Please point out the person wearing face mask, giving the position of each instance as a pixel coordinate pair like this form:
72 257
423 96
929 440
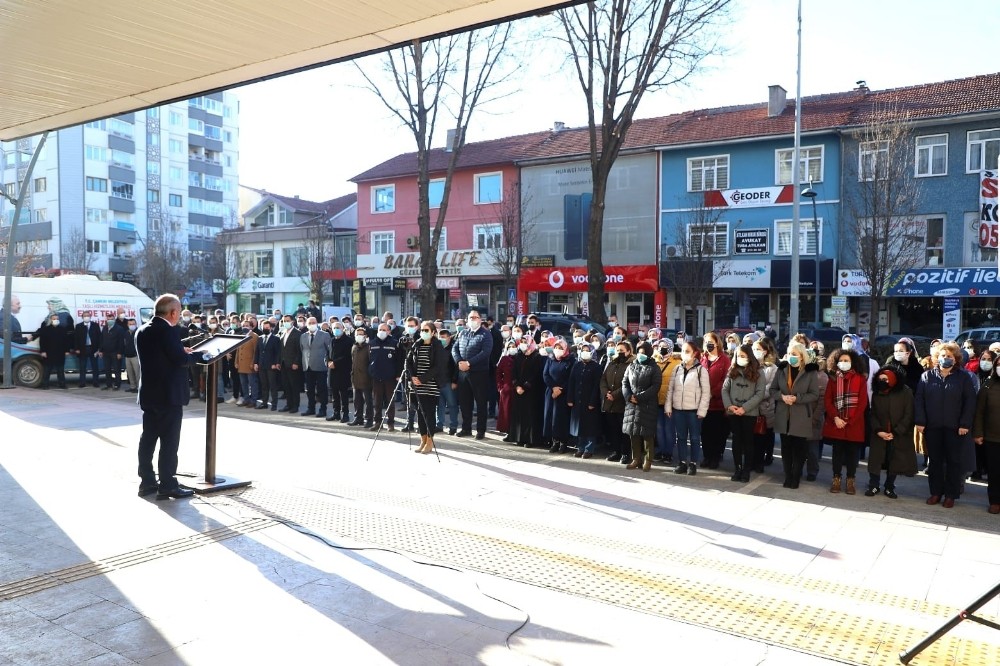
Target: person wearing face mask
795 392
504 376
244 360
448 400
583 398
54 345
131 357
111 353
666 439
361 381
906 362
983 372
410 334
86 344
383 369
291 364
316 346
986 433
868 366
944 409
892 426
527 400
763 442
814 445
426 368
555 374
846 402
715 428
472 352
613 405
640 388
686 404
267 365
742 393
971 357
339 373
732 344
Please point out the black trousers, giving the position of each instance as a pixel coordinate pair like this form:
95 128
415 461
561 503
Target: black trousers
742 427
290 383
617 441
113 369
472 387
992 454
364 406
793 457
340 401
269 381
426 406
382 394
845 454
59 366
86 358
946 472
316 390
163 424
714 431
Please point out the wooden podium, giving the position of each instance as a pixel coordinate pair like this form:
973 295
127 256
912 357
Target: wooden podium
213 350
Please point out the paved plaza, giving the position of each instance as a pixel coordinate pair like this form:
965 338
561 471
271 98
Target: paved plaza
342 552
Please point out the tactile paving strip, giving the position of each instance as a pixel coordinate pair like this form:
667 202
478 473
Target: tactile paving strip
839 621
45 581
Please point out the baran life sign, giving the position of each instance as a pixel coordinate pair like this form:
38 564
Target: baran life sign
988 209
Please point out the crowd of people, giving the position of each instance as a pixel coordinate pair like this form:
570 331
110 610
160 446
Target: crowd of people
639 397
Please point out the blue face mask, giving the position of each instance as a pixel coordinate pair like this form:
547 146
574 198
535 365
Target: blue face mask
444 343
337 332
642 358
793 361
612 353
946 361
410 330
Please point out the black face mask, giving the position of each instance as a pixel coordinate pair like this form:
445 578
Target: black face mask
710 346
267 329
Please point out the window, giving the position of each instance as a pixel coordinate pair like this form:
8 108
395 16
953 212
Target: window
176 175
263 263
285 216
41 215
873 160
932 155
229 136
153 139
96 153
97 247
296 262
195 179
213 132
435 192
41 185
809 237
489 188
97 184
384 199
176 147
229 160
153 196
121 190
443 241
213 183
711 239
98 125
383 242
123 159
933 240
983 149
175 200
121 128
176 119
97 215
10 159
153 167
10 189
487 237
196 126
153 112
708 173
810 165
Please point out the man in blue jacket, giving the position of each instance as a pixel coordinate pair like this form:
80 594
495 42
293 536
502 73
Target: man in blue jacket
384 368
163 392
472 355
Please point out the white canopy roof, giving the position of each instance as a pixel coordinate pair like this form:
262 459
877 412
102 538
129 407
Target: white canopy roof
66 62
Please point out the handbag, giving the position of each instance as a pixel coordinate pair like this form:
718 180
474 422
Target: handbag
760 425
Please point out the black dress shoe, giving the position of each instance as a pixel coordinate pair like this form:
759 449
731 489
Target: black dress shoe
321 415
481 435
355 423
332 417
274 408
408 428
284 409
307 413
451 431
463 433
145 489
614 457
175 493
554 448
261 406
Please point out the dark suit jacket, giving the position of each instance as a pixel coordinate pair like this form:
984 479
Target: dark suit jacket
270 353
163 364
80 337
291 349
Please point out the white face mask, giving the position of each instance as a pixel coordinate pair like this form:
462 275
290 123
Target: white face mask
312 328
86 320
742 361
360 338
986 366
517 335
505 334
844 366
847 345
558 353
901 356
686 356
733 346
586 355
523 346
382 335
213 326
474 324
759 354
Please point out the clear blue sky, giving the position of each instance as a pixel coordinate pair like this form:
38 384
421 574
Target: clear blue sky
307 133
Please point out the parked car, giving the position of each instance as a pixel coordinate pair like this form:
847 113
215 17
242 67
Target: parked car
826 335
922 342
979 335
559 323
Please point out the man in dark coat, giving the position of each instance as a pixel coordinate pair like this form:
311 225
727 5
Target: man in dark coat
86 344
291 364
339 375
472 352
163 392
54 344
268 366
15 326
112 352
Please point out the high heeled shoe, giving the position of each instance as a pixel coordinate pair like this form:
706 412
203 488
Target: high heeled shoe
423 443
428 446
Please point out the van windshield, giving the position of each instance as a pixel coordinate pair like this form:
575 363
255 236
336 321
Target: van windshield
145 314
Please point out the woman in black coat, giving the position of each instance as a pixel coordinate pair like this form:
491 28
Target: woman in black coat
584 400
528 396
426 365
640 388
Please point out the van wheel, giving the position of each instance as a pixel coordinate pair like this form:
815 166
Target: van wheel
28 372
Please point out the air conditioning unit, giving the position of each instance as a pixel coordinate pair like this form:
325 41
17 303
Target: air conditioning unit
672 251
412 241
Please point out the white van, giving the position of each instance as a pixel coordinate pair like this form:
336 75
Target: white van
981 336
331 310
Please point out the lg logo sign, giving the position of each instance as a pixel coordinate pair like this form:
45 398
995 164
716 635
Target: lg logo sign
556 279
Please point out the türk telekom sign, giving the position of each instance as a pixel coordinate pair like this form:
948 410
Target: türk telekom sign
749 197
574 278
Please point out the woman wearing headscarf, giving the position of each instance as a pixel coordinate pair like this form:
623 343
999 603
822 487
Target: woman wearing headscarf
665 359
555 373
892 432
814 445
583 397
985 363
505 370
763 443
944 410
715 429
846 403
906 362
527 400
795 391
640 388
613 405
742 393
986 434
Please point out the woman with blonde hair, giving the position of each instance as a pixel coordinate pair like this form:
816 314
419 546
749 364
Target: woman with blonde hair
795 391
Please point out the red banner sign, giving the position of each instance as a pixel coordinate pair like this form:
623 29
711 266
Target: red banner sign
574 278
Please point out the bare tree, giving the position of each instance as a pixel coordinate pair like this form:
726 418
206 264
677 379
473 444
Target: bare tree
455 75
318 258
74 254
510 228
622 49
228 269
882 200
694 264
161 264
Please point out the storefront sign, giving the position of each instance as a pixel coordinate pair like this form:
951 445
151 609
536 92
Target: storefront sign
256 286
442 283
750 197
988 209
781 274
538 261
574 278
377 282
751 241
743 273
852 282
951 318
399 284
407 264
945 282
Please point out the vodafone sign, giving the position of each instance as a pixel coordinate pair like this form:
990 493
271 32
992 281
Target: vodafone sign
574 278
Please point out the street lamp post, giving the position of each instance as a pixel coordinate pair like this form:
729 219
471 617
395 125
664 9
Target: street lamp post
810 193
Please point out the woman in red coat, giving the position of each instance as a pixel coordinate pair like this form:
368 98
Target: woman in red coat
505 369
846 402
